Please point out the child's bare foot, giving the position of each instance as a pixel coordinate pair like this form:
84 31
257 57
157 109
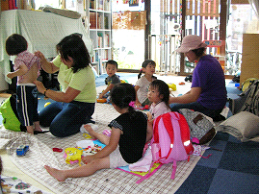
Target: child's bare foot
30 130
57 174
90 130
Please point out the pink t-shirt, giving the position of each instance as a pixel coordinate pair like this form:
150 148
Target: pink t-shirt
27 59
158 109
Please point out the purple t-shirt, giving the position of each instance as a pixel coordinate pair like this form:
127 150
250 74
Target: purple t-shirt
209 76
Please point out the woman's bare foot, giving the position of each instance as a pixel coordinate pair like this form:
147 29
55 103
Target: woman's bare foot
57 174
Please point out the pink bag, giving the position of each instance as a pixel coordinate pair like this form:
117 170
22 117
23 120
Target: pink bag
171 140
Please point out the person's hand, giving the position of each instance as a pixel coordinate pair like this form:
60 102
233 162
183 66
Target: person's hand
41 88
88 159
10 75
40 55
100 96
138 104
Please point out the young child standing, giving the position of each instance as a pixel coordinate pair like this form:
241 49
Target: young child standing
141 87
26 69
158 94
112 79
130 132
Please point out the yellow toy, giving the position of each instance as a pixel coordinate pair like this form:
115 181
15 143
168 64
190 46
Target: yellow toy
172 87
73 155
124 81
46 104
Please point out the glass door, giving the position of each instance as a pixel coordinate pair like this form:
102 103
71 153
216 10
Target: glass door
128 33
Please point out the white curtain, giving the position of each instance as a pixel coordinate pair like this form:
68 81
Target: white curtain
255 6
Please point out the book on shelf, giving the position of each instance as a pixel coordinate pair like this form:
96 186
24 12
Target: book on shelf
92 4
92 20
95 57
106 22
106 40
106 5
100 4
100 40
105 55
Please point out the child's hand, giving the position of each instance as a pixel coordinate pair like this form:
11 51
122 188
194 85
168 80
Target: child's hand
88 159
138 104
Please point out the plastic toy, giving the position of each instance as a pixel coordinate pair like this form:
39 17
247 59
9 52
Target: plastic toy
172 87
188 78
124 81
146 107
181 83
87 136
103 100
22 150
46 104
73 155
57 149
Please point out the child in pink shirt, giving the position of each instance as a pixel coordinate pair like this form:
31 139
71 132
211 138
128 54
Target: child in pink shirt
158 94
26 69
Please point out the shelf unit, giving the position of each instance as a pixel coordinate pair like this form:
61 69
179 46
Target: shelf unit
100 23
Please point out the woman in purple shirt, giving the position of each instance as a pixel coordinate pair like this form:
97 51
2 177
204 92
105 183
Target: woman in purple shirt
208 91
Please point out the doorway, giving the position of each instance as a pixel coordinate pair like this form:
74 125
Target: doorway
128 33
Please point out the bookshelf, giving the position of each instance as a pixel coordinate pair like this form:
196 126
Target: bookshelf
100 23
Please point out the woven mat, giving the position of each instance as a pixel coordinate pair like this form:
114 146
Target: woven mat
103 181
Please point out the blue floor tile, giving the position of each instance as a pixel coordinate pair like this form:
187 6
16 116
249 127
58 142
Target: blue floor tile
216 155
241 157
198 182
226 181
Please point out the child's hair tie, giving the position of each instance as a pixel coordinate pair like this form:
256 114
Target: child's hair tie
132 104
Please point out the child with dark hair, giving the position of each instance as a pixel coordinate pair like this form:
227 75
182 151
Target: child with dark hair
141 87
26 69
112 79
130 132
158 94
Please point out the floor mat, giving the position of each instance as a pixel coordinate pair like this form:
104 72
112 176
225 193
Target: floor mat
103 181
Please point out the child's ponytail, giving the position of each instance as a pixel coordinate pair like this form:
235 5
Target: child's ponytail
123 95
140 72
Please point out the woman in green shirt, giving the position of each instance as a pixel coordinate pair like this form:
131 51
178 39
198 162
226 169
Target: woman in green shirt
75 104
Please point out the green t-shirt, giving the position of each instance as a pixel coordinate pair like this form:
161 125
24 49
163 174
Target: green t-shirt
83 80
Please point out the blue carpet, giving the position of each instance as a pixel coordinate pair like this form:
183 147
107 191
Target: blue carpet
100 81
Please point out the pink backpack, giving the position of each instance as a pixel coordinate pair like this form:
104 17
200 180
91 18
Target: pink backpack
171 139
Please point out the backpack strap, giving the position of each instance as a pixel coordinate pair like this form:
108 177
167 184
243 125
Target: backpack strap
185 134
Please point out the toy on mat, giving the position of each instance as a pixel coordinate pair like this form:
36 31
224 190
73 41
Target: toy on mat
73 155
22 150
103 100
124 81
146 107
172 87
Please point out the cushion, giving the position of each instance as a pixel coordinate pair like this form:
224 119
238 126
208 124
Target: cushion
243 125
